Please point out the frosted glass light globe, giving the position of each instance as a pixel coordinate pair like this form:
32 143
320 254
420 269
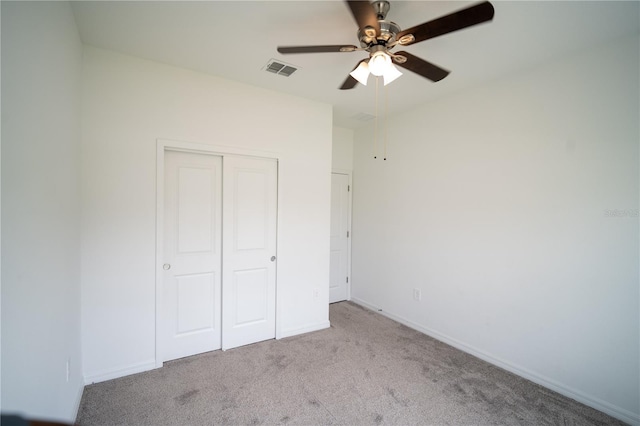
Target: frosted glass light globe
379 63
391 74
361 73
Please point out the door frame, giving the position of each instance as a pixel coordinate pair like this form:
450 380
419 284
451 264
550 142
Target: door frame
349 223
163 145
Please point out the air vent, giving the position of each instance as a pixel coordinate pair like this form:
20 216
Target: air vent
280 68
287 71
361 116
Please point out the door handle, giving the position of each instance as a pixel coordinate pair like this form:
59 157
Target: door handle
166 266
273 258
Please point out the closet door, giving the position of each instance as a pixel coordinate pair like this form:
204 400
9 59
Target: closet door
249 250
191 307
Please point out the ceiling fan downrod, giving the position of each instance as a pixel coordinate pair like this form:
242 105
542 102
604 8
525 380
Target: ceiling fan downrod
381 8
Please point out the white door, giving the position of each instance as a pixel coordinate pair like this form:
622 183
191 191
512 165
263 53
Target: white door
249 250
191 303
339 265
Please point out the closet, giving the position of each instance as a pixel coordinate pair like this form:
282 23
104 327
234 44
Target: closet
218 252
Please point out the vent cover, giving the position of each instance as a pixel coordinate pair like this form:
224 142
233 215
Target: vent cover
280 68
361 116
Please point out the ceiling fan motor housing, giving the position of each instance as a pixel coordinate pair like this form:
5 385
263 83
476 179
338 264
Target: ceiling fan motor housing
388 31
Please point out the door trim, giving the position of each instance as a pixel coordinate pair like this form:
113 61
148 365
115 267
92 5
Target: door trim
349 224
163 145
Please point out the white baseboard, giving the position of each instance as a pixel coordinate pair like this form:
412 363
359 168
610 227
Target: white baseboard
76 405
306 329
120 372
600 405
151 364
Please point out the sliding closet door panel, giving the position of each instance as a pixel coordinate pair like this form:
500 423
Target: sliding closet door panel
249 250
192 254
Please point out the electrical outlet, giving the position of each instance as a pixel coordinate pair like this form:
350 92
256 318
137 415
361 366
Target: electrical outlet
417 294
316 293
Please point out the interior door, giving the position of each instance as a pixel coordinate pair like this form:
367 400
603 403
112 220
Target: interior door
249 250
339 273
192 254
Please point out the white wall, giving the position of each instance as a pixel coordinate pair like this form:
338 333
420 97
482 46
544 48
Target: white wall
342 152
41 69
128 103
494 203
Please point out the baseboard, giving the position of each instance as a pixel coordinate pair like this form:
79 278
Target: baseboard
120 372
151 364
600 405
306 329
76 405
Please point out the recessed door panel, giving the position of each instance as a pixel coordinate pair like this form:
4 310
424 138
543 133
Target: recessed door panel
251 209
196 209
337 269
252 297
196 302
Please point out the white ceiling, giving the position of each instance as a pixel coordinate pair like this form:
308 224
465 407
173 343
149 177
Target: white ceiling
236 39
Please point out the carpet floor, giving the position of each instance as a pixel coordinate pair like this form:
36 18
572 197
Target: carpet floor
364 370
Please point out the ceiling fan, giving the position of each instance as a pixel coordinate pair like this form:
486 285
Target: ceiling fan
379 36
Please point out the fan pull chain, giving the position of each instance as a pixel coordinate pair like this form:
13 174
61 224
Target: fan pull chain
386 120
375 134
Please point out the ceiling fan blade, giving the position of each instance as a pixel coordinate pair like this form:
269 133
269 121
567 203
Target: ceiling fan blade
317 49
421 67
351 82
464 18
364 14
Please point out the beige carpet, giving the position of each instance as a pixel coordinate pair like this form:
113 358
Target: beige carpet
365 370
